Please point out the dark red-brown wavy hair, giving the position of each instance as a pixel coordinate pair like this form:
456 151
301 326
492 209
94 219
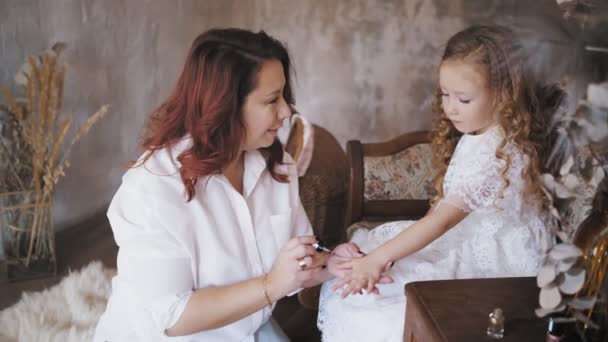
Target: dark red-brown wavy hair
219 73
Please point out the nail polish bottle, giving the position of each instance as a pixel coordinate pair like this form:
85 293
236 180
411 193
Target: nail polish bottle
319 246
496 324
555 330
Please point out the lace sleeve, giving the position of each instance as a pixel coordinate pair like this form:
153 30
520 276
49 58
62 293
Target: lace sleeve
474 183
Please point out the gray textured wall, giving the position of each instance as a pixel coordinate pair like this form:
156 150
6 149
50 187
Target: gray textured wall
365 69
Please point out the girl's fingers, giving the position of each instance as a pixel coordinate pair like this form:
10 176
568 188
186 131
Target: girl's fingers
352 288
346 292
371 284
341 283
357 289
385 279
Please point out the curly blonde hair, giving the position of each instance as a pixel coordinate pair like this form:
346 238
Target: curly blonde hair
525 106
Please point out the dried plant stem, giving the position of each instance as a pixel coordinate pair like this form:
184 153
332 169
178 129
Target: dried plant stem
11 167
92 120
597 270
44 130
48 177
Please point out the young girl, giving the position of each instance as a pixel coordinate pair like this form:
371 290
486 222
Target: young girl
488 219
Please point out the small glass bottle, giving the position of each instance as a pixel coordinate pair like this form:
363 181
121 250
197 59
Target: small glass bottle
496 324
554 331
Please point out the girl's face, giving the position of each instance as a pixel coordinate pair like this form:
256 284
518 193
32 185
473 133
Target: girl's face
265 108
465 98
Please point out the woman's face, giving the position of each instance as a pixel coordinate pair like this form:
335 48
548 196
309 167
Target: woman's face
265 108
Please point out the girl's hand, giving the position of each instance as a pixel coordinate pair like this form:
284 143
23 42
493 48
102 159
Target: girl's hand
365 273
339 264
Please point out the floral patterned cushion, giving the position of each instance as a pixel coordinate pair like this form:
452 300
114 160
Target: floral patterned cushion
404 175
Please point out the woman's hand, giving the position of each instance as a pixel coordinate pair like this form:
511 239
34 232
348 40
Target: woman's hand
337 264
298 265
348 250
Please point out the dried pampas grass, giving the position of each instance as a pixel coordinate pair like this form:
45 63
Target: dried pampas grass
41 132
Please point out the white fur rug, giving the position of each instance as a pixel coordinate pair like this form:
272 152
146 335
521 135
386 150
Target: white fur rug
67 311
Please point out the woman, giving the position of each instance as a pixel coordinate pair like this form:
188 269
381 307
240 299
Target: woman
209 223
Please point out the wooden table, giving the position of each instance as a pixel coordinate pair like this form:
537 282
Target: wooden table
457 310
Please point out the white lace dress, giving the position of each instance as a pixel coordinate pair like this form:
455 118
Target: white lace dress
500 237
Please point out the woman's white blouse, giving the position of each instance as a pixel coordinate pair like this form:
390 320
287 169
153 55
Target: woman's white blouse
169 247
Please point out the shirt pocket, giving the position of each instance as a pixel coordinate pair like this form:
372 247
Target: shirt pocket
282 227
